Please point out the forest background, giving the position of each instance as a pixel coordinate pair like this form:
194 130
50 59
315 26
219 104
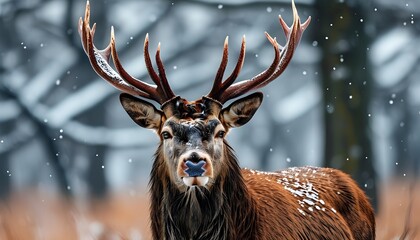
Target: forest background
350 99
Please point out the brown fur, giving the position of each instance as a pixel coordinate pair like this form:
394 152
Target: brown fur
310 203
297 203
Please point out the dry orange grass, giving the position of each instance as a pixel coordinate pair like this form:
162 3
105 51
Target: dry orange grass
36 215
399 211
50 217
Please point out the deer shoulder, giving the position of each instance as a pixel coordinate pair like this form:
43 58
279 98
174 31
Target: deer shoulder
315 197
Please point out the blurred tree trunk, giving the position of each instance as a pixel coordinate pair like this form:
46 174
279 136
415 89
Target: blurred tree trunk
95 175
346 81
5 185
405 164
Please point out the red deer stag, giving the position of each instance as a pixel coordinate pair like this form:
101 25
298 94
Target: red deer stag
198 190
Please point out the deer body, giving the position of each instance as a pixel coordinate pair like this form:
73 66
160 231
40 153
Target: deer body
296 203
198 190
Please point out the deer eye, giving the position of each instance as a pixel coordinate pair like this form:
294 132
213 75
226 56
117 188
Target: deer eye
221 134
166 135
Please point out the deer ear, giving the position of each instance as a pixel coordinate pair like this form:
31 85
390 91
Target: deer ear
241 111
142 112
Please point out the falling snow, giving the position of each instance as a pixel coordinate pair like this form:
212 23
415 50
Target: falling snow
393 58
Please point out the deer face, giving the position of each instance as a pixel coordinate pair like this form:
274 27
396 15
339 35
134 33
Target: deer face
193 149
192 138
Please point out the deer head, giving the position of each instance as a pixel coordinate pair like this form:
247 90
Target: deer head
192 133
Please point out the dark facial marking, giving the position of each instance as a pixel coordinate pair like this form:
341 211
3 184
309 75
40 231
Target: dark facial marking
194 131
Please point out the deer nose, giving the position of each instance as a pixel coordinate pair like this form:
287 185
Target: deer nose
195 169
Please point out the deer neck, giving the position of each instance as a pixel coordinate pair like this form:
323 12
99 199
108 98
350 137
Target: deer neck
224 211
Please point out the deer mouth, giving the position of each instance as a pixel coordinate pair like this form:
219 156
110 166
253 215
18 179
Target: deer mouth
195 181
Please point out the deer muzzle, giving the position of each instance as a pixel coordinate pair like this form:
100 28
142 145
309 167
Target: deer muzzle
195 168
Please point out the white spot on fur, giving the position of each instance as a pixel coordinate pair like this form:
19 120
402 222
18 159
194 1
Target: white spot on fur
296 181
301 211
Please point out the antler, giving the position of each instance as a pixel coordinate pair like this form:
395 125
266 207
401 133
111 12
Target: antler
222 91
100 61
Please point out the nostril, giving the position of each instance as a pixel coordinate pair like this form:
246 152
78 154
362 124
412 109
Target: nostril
195 158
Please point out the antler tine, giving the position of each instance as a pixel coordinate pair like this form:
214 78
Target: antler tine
162 75
219 85
244 86
164 91
220 72
238 67
293 34
148 62
99 59
279 64
147 88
